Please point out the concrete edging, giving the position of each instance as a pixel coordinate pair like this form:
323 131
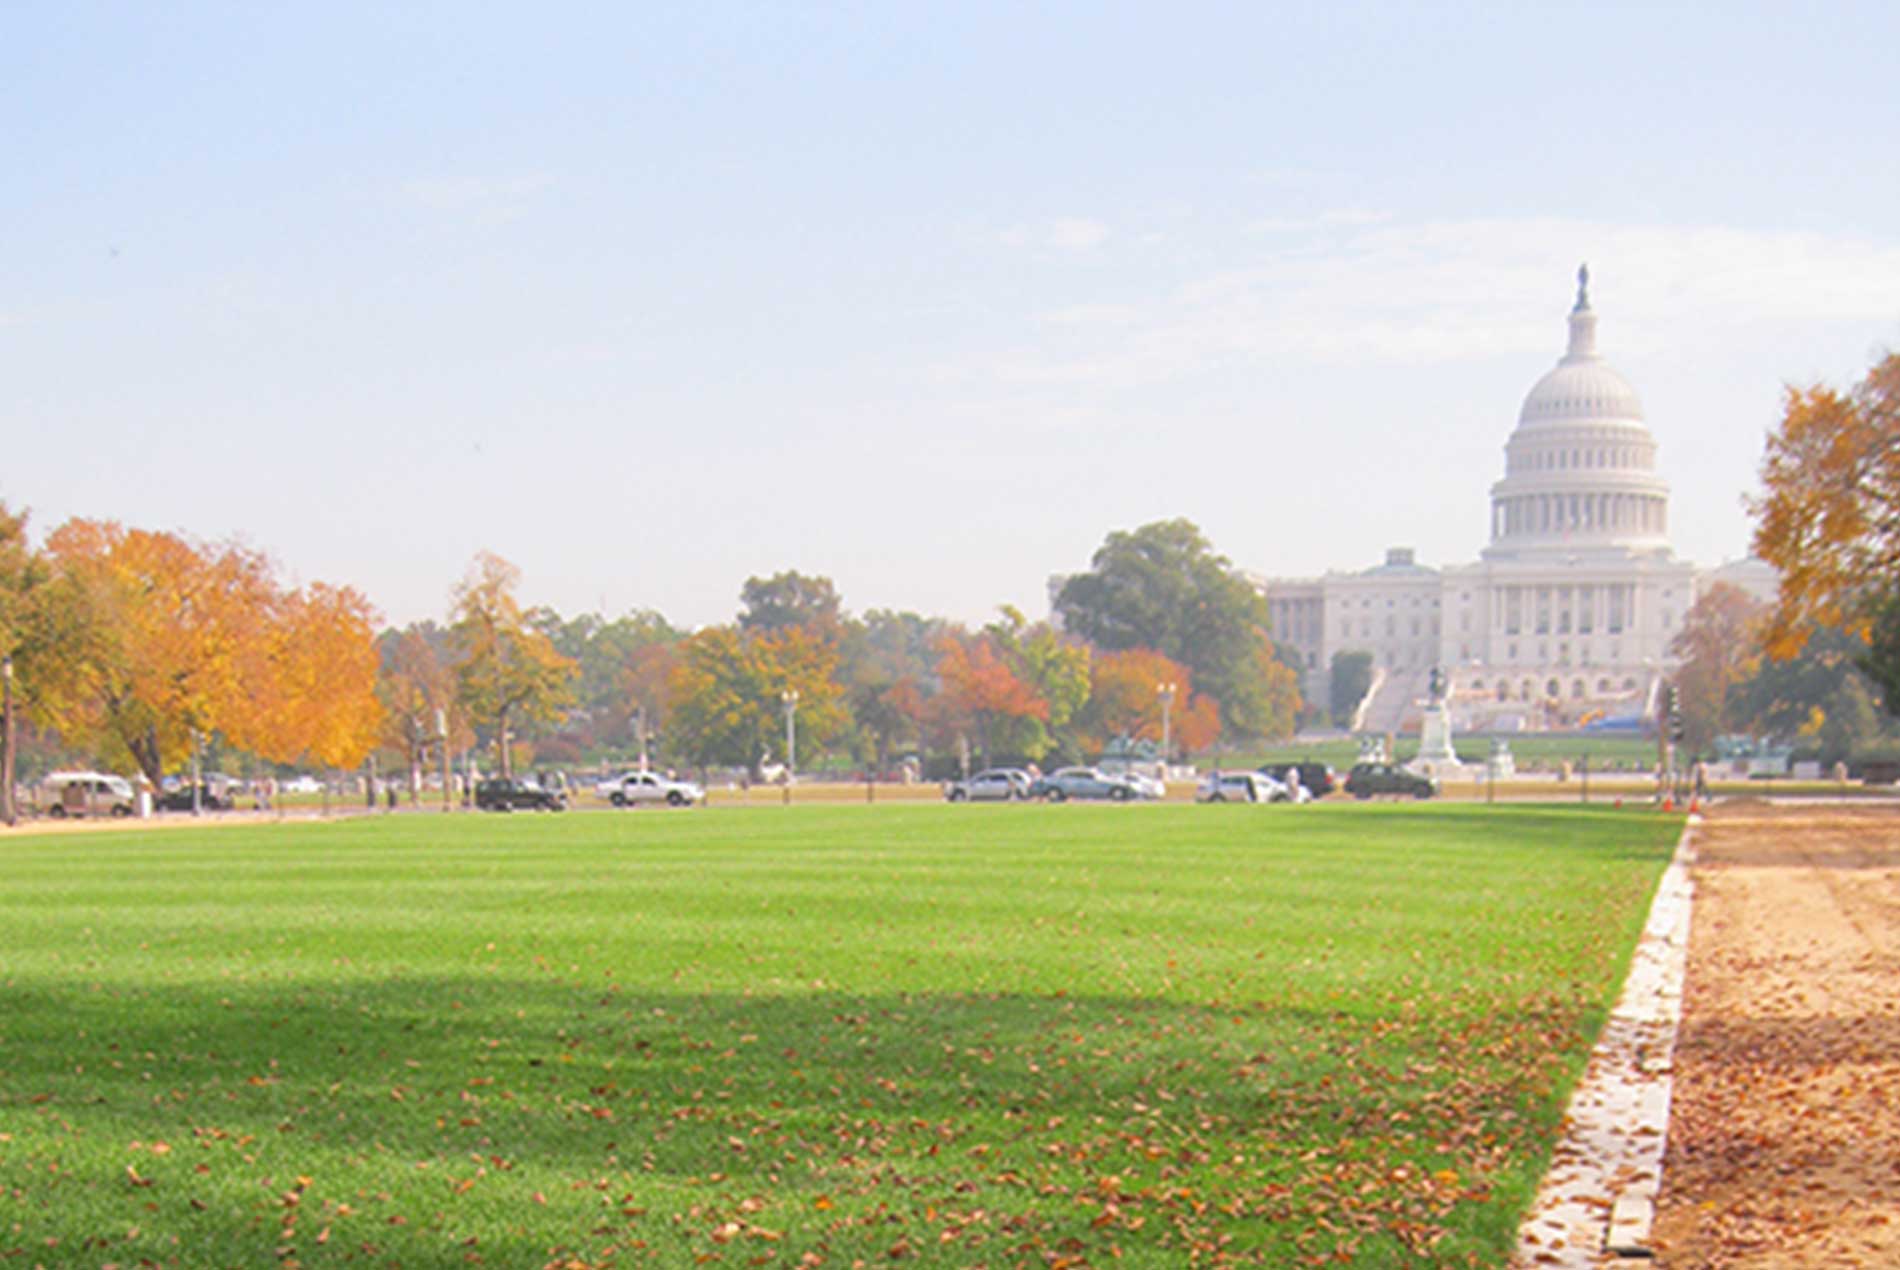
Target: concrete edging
1598 1199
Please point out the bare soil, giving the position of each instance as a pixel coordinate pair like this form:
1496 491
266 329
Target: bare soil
1784 1136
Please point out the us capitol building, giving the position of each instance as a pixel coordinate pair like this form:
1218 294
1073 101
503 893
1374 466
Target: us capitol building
1569 612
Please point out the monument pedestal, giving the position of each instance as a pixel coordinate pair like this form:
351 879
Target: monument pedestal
1436 758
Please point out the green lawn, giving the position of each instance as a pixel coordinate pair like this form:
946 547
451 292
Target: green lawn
1000 1036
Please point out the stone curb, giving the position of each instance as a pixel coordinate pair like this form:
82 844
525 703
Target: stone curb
1598 1198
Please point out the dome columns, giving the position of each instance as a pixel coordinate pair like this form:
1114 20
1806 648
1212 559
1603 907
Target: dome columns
1580 469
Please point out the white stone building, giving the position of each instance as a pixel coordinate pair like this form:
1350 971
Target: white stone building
1568 613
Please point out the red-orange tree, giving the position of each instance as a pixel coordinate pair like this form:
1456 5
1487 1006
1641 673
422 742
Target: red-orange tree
982 697
1125 700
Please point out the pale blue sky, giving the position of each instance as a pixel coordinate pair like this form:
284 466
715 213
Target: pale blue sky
927 299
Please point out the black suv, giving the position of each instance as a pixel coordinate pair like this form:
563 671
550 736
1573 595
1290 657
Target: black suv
504 794
1319 779
1367 779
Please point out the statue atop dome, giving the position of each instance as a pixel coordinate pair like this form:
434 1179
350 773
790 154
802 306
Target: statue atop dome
1583 286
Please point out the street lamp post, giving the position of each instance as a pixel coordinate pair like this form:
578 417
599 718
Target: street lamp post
6 762
442 739
790 698
1167 691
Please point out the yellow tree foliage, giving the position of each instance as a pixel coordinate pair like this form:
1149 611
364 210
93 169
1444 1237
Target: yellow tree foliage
324 672
1125 700
1280 701
152 638
510 674
155 634
1828 517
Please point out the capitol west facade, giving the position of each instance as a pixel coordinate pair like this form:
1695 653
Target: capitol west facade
1571 608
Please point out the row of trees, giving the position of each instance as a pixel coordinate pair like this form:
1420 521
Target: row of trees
134 648
1160 635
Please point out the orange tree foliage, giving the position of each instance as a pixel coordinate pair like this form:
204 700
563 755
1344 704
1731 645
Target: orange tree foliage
510 674
982 696
1125 700
1279 701
150 638
322 669
1828 518
1720 647
727 690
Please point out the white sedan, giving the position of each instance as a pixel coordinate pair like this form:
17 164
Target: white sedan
633 788
1246 787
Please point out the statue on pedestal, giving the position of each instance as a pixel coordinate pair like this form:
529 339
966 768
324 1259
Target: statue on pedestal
1436 758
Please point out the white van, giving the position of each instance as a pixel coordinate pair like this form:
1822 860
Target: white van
89 794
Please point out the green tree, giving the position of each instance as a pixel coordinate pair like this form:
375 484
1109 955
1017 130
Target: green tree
1056 669
791 599
508 674
1162 586
887 661
1350 682
1818 698
623 666
728 687
22 574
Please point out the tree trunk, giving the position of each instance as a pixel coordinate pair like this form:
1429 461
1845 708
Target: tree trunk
144 752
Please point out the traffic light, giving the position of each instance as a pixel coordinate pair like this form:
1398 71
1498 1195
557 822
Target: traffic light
1674 703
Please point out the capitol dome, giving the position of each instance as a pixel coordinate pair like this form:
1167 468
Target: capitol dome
1580 469
1584 388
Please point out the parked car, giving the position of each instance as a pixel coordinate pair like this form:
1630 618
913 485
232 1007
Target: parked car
1243 787
1318 779
630 789
1083 782
1367 779
89 794
209 799
503 793
996 784
1145 785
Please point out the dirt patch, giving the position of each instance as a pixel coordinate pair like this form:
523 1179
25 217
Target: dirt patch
1784 1136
